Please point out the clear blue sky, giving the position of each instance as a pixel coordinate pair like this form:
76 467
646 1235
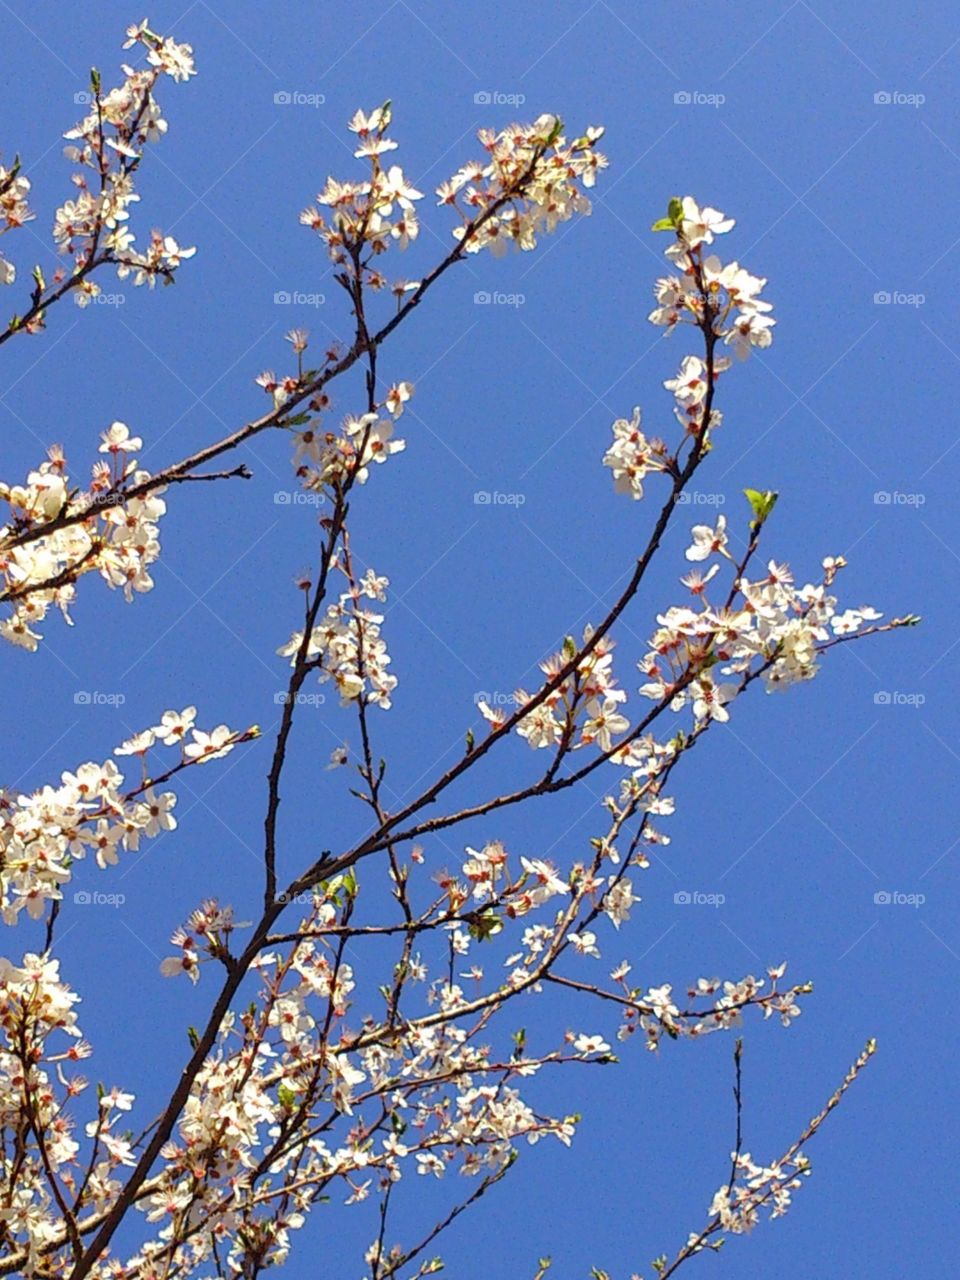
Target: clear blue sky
805 807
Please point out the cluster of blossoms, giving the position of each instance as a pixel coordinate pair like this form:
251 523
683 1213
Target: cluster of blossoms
54 534
738 1207
327 461
655 1013
724 303
581 711
769 627
531 180
290 1101
724 298
423 1092
93 226
42 835
36 1006
632 456
347 647
110 141
368 214
14 210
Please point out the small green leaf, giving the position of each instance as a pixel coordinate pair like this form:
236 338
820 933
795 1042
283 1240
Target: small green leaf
554 133
761 503
663 224
484 925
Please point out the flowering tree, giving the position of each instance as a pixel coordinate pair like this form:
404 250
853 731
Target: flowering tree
314 1076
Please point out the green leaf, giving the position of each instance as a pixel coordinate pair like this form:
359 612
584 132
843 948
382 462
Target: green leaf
674 216
761 503
554 133
484 925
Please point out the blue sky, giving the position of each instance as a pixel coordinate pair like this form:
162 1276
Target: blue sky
801 811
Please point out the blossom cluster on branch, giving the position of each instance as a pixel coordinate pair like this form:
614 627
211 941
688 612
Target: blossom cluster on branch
107 146
370 1020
